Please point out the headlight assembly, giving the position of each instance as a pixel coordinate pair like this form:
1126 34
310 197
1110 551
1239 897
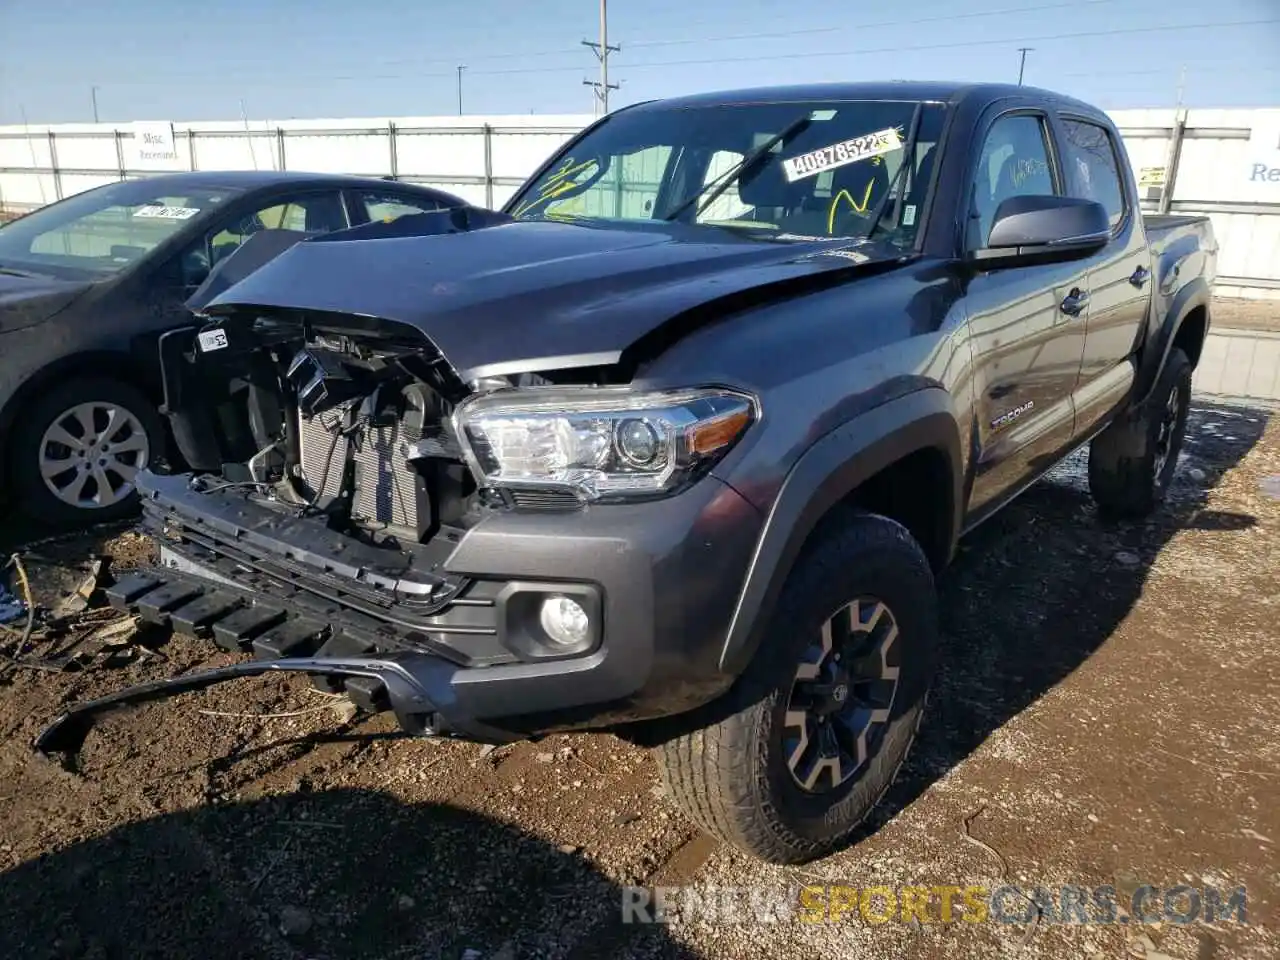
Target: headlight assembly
599 444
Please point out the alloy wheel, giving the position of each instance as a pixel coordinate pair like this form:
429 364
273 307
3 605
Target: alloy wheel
90 455
842 697
1166 431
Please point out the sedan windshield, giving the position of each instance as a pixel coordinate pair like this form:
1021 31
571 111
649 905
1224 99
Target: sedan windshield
827 169
100 232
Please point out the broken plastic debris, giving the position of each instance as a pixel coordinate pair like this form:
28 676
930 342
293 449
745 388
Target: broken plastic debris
1271 486
78 600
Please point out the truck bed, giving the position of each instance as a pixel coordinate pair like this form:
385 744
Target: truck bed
1182 248
1164 228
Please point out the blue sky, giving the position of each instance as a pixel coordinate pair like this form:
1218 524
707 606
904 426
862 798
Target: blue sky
161 59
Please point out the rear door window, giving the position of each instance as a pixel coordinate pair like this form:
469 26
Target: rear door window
313 213
1093 172
307 213
386 207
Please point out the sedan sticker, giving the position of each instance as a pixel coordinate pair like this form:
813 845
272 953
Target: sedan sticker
839 154
152 212
211 340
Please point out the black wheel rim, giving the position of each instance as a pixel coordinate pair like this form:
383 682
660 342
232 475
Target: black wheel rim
842 696
1167 432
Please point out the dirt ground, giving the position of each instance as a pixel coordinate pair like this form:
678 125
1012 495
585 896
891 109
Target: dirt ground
1108 712
1246 314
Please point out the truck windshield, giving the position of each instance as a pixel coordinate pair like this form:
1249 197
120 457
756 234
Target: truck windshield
832 165
98 233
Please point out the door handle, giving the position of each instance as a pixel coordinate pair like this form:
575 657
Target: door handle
1140 276
1073 303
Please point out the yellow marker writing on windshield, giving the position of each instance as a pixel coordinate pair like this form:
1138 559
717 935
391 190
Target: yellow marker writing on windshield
556 184
846 195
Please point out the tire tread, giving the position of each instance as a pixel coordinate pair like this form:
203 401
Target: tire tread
1121 458
712 773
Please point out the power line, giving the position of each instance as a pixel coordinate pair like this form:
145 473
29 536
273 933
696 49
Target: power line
953 44
770 35
755 58
808 31
1166 70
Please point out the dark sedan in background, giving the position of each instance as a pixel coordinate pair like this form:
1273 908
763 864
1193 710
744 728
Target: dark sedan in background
88 285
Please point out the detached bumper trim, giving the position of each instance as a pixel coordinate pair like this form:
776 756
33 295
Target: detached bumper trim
415 685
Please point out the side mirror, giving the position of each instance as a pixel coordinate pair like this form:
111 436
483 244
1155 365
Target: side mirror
1030 229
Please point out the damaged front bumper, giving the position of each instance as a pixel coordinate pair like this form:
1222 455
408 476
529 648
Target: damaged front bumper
417 686
443 637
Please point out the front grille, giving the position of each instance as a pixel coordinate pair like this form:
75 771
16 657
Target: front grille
545 499
386 487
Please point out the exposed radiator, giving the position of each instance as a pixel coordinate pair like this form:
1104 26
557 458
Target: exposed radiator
387 489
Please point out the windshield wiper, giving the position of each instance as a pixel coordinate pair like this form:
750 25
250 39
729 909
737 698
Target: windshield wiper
908 151
731 176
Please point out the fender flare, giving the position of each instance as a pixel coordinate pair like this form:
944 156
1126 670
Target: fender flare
1194 294
826 473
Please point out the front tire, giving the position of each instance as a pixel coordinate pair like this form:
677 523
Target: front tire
826 712
78 448
1132 462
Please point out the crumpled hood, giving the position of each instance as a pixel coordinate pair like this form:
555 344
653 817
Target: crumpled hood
25 300
532 295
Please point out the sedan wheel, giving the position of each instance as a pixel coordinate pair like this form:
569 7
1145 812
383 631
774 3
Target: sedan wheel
91 454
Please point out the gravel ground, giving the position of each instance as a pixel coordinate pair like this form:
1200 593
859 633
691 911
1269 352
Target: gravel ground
1239 314
1107 713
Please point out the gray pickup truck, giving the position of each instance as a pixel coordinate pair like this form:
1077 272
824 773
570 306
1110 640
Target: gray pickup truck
676 446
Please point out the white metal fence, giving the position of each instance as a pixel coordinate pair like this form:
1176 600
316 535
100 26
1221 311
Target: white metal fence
1223 163
482 159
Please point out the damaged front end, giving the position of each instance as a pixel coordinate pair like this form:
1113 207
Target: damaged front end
327 493
338 462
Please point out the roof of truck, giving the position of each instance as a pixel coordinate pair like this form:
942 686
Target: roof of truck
942 91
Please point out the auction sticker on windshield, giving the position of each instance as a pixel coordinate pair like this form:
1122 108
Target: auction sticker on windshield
153 212
838 154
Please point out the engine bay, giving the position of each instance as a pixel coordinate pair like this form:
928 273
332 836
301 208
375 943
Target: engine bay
337 420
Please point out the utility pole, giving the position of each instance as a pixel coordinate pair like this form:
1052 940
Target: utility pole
1182 84
602 51
461 67
1022 66
93 92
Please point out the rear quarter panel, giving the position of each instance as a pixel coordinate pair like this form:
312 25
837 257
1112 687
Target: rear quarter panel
1184 254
